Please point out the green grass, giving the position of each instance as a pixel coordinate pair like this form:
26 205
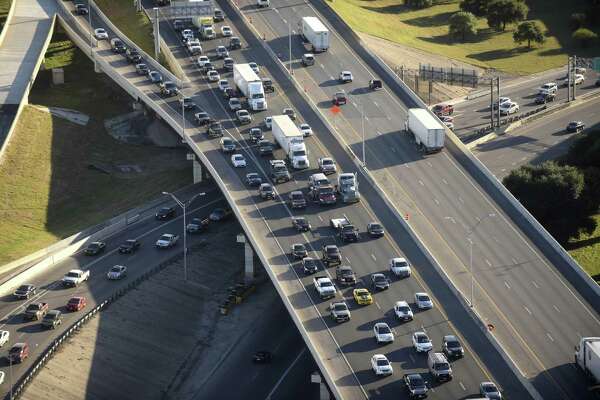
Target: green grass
427 30
47 191
4 7
586 250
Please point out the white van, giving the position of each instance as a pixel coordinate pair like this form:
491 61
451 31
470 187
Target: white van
263 3
439 367
317 180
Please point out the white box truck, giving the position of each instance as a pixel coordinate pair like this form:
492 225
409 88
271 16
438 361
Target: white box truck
587 357
291 140
250 85
429 132
315 33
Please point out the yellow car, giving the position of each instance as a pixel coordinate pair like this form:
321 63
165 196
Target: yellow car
362 296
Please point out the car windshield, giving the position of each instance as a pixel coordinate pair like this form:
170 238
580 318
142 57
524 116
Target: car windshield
453 345
340 307
382 363
400 264
73 274
164 210
115 269
74 301
417 381
309 262
297 196
422 298
327 162
326 284
23 288
403 309
165 237
422 339
93 246
384 329
379 278
332 250
362 293
298 247
489 388
441 366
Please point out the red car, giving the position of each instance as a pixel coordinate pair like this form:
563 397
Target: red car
76 303
443 109
339 98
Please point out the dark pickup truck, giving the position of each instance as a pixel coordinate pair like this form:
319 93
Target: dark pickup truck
331 255
345 275
346 231
36 311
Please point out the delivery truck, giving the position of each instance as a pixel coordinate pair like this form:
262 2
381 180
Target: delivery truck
429 132
250 85
587 357
315 33
291 140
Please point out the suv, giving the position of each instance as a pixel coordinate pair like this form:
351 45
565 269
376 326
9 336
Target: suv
345 275
266 191
339 98
81 9
201 118
279 171
452 347
548 88
331 255
52 319
117 45
130 246
297 199
439 367
265 147
308 59
543 98
165 213
219 16
443 109
227 145
215 129
235 43
375 84
133 56
169 89
339 311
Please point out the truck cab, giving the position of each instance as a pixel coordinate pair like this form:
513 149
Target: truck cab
347 187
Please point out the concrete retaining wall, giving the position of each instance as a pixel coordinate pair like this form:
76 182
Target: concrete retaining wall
11 12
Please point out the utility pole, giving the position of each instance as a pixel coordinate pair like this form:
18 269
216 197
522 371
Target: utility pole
290 45
156 33
492 102
574 74
498 94
91 32
363 133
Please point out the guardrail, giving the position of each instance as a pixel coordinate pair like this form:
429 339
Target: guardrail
9 16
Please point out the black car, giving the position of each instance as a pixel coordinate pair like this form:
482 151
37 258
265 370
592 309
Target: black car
253 179
543 98
202 118
219 214
142 69
575 126
416 385
268 85
95 248
290 113
452 347
155 77
375 229
133 56
345 275
187 103
165 213
219 16
169 89
256 135
375 84
81 9
598 82
348 233
262 357
301 224
197 225
118 46
230 93
331 255
235 43
265 148
25 291
228 64
309 265
129 246
380 282
299 250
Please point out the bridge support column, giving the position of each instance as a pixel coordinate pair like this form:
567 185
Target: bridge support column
316 377
197 169
248 259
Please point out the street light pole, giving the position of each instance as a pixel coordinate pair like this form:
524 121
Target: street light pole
290 45
362 113
91 30
184 206
182 118
469 234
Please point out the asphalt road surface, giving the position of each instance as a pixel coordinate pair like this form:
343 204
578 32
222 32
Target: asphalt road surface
541 140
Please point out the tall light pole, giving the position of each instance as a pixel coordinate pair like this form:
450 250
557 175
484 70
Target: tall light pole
91 30
182 118
11 377
469 234
362 117
184 206
290 45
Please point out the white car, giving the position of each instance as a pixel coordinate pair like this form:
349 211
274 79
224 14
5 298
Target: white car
383 333
346 76
226 31
548 88
421 342
223 84
187 34
167 240
4 336
327 165
577 79
254 67
501 101
2 376
268 122
213 76
306 129
399 267
508 108
381 365
203 60
100 34
222 52
403 311
238 161
490 391
423 301
450 125
117 272
235 104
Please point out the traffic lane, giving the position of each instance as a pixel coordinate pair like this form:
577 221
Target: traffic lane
538 141
96 289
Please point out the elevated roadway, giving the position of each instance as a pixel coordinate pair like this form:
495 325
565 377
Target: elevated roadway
520 286
342 351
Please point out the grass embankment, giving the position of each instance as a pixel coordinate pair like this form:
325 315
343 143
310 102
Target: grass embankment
47 191
586 251
4 7
427 30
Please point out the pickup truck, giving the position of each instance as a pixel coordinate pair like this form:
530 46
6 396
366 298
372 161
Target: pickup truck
36 311
74 277
279 171
324 287
346 231
345 275
331 255
167 240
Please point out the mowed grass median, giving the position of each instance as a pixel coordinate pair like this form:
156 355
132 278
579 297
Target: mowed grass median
47 190
586 251
427 29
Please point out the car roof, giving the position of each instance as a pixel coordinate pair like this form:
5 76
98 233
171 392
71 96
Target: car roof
401 303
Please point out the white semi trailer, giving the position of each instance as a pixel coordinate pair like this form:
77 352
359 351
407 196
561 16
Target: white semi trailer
291 140
250 85
429 132
315 33
587 357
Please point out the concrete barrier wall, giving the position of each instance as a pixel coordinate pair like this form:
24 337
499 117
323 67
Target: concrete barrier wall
11 12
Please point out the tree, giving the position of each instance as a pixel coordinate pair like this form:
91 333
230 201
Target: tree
476 7
553 195
463 24
577 21
502 12
585 151
528 31
584 36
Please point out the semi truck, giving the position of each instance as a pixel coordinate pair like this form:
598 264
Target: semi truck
347 187
250 85
291 140
429 132
315 33
587 357
205 27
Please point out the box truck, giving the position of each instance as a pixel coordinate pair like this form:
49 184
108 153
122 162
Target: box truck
291 140
250 85
315 33
587 357
429 132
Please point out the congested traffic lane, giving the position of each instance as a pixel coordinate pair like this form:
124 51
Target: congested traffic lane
97 288
445 206
364 254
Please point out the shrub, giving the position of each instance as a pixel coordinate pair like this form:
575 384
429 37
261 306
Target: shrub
584 36
529 31
463 24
